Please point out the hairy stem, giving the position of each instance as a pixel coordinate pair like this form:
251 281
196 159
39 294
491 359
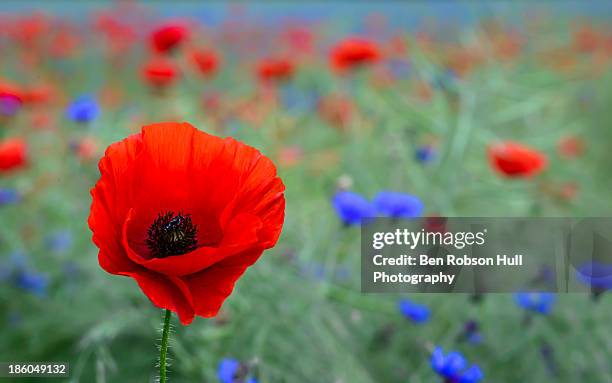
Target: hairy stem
163 350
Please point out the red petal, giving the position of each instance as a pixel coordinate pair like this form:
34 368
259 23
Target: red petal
166 292
212 286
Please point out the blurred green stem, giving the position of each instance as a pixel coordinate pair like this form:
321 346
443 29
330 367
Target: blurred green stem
163 350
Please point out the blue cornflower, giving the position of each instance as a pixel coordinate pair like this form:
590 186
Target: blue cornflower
425 154
59 242
9 196
398 205
31 281
452 366
227 370
595 274
537 302
84 109
471 333
352 208
232 371
414 311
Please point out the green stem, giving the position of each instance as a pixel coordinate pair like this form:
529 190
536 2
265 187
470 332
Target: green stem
163 350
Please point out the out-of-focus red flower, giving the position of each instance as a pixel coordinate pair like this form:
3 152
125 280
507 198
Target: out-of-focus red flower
11 99
275 69
507 46
570 147
13 154
560 59
462 60
206 61
398 46
167 37
515 160
586 39
9 89
290 156
354 52
160 72
211 102
38 94
217 206
64 42
41 120
300 39
435 224
30 29
119 35
336 110
86 149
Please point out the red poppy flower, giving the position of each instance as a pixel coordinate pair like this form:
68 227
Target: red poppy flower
353 52
515 160
13 154
168 37
206 61
184 213
275 69
160 72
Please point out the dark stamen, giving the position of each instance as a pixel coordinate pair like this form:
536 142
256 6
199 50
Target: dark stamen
171 235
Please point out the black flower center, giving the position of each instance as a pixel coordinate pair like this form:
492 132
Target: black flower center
171 235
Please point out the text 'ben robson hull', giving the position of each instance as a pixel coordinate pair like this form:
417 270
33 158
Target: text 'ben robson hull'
449 260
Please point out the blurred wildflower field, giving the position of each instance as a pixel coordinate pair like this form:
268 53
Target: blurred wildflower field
470 109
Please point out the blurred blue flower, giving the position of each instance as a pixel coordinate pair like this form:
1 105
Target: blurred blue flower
595 274
452 367
232 371
425 154
31 281
398 205
414 311
537 302
227 370
352 208
59 241
470 333
9 196
472 375
84 109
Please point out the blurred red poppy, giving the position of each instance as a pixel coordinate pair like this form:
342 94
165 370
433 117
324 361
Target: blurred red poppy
13 154
353 52
515 160
160 72
570 147
586 39
206 61
86 149
184 213
167 37
337 110
275 69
